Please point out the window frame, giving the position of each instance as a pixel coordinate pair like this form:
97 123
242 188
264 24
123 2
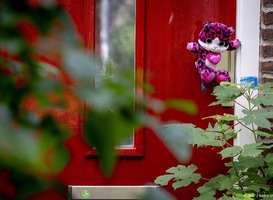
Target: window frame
137 150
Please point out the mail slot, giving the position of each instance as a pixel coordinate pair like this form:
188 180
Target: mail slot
108 192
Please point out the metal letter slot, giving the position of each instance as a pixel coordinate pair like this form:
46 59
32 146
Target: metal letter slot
107 192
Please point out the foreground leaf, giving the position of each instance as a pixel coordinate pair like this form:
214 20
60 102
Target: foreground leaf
182 175
263 99
183 105
258 117
226 94
266 87
230 151
176 139
254 149
104 131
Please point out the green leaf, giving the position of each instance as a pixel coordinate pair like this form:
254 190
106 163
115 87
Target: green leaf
223 118
244 196
105 130
269 158
230 151
249 162
253 177
206 195
60 159
266 87
254 149
226 93
269 162
227 198
195 136
227 182
222 182
75 58
214 135
263 99
176 139
263 134
183 176
164 179
258 117
269 171
186 106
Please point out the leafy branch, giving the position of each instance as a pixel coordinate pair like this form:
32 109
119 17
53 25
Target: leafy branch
248 169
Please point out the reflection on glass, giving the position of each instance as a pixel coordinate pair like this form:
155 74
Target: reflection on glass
115 36
115 31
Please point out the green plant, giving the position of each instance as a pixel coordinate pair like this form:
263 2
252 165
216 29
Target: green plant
250 171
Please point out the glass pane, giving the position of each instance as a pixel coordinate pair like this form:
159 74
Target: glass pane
115 31
115 36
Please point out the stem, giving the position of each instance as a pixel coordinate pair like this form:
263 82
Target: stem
252 125
231 126
255 96
255 135
252 107
244 95
258 184
240 105
231 158
221 144
245 126
249 106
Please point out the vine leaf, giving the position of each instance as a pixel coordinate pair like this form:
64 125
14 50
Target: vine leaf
164 179
269 161
220 182
195 136
206 195
265 99
207 191
212 136
182 175
249 162
230 151
226 94
266 87
254 149
263 134
228 182
258 117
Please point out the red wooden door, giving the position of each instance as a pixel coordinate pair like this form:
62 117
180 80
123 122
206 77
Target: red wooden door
163 29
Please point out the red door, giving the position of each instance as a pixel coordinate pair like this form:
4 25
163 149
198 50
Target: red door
162 30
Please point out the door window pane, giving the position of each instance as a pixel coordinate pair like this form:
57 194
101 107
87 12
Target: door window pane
115 36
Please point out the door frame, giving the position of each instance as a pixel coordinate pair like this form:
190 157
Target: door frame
247 56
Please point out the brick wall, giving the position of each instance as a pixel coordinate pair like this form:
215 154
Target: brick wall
266 41
266 52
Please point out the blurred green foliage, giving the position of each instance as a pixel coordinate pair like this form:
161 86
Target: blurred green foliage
31 136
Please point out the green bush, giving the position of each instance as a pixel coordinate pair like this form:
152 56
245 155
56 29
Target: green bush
250 171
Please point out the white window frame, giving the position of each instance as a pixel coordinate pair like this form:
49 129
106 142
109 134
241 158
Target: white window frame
247 56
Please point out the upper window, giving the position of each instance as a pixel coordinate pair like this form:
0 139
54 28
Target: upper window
115 32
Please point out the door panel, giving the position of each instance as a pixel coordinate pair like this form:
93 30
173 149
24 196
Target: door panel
170 68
